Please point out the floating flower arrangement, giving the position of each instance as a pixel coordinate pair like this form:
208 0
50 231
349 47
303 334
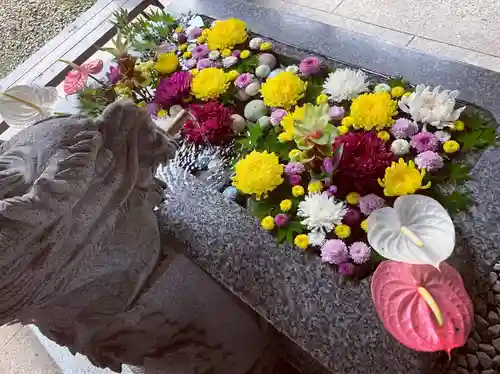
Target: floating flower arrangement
330 160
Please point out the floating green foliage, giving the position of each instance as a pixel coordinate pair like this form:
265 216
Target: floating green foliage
259 139
247 65
479 132
314 88
92 100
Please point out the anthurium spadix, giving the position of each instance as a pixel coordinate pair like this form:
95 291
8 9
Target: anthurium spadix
24 105
417 230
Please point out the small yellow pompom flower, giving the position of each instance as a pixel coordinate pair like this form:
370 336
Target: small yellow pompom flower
187 54
182 47
258 174
201 39
267 223
285 137
286 205
209 84
403 179
373 111
347 121
458 125
315 187
322 99
353 198
298 191
245 54
227 33
140 104
162 113
342 231
194 72
266 46
178 29
451 146
384 135
167 63
232 75
364 226
294 154
226 52
283 90
205 32
397 91
301 241
343 130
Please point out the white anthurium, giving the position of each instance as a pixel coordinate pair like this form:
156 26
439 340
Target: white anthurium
22 106
418 230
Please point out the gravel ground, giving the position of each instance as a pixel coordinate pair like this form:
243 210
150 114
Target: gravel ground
26 25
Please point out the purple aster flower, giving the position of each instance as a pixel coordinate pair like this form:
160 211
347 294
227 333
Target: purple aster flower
334 251
359 252
337 112
332 190
370 203
281 220
294 168
346 269
153 109
243 80
217 65
190 63
429 160
200 51
294 179
204 63
277 115
113 74
309 66
403 128
236 53
194 32
352 217
328 165
425 141
173 89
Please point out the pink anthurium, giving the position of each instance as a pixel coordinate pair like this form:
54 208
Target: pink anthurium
77 78
424 308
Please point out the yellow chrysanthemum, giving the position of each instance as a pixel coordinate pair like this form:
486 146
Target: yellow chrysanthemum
458 125
286 205
373 111
342 231
315 187
232 75
298 191
364 225
167 63
288 120
285 137
403 179
245 54
266 46
384 135
451 146
353 198
209 84
283 90
343 130
294 154
347 121
397 91
267 223
258 173
301 241
227 33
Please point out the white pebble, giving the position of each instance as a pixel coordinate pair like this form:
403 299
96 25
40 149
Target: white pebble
238 124
252 89
262 71
255 43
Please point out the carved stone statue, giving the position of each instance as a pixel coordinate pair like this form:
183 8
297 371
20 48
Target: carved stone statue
81 258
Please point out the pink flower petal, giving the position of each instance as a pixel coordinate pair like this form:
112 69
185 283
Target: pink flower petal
408 317
75 81
93 67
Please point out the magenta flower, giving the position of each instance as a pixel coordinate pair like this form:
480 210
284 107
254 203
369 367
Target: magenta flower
403 128
243 80
429 160
173 89
310 66
334 251
236 53
359 252
294 168
200 51
370 203
294 179
277 115
281 220
425 141
113 75
337 112
346 269
352 217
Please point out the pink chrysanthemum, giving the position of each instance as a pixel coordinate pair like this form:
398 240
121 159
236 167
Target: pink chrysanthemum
310 66
281 220
334 251
370 203
243 80
429 160
403 128
294 168
425 141
359 252
200 51
347 269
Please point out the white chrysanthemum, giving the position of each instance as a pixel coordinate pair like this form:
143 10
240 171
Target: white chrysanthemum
321 212
433 107
316 238
400 147
345 84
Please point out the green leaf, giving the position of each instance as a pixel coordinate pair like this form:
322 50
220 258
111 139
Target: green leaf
261 208
251 139
281 235
396 82
247 65
458 173
457 201
477 139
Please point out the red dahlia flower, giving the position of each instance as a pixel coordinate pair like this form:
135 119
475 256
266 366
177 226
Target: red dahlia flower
211 124
364 159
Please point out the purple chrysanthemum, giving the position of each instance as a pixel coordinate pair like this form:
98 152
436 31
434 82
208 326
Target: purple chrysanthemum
190 63
429 160
347 269
294 168
403 128
332 190
201 51
352 217
277 115
359 252
294 179
243 80
281 220
334 251
370 203
309 66
195 32
236 53
204 63
425 141
113 75
173 89
336 112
